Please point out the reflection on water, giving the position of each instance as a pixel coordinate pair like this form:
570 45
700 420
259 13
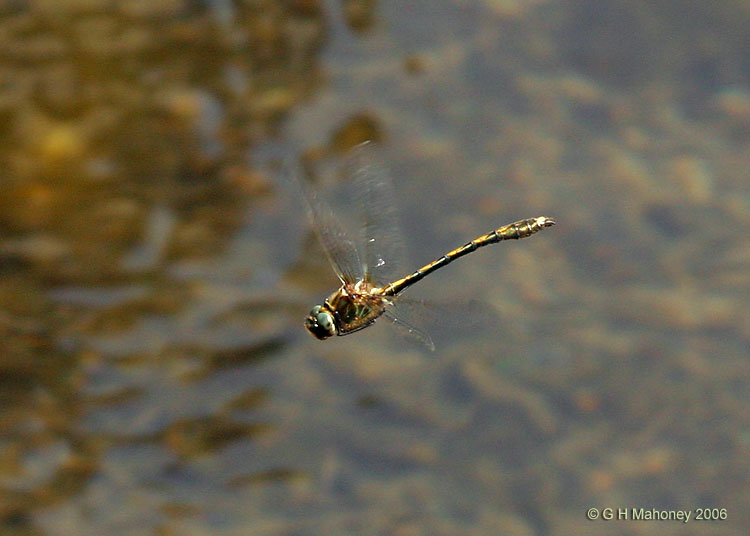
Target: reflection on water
154 373
124 136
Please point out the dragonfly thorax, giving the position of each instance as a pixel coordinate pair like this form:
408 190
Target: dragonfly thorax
320 322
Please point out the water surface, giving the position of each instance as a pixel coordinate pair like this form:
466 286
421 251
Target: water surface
155 267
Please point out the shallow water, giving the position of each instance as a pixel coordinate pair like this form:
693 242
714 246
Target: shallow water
155 267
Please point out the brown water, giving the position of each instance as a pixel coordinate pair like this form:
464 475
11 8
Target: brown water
155 268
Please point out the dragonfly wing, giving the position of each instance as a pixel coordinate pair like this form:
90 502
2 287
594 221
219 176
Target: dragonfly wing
448 320
410 331
382 243
341 250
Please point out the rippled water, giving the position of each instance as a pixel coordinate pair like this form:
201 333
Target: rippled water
155 267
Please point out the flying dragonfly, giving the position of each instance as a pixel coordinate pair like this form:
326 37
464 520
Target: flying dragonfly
369 286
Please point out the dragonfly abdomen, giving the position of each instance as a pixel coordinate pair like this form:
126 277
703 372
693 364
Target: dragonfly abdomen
517 230
513 231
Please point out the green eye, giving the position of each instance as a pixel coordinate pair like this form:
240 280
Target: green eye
320 323
324 320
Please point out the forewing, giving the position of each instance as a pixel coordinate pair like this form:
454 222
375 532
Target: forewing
382 243
339 247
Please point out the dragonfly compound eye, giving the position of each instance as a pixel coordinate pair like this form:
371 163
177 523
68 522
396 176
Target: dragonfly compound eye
320 323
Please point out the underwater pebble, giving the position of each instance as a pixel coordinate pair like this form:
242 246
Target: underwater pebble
734 102
691 174
675 308
39 249
493 386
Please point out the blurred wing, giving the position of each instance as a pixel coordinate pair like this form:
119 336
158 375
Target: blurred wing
405 317
339 247
410 332
381 239
447 320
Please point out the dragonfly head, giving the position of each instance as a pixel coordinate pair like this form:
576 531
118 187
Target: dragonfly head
320 323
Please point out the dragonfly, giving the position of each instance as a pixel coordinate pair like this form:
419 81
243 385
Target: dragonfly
368 267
